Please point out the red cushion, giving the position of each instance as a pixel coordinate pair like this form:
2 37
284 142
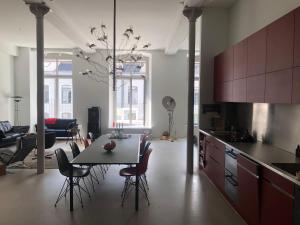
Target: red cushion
50 121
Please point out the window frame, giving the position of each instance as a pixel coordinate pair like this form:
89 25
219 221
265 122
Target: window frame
57 77
131 77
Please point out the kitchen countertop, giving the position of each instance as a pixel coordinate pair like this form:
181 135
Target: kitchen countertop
263 154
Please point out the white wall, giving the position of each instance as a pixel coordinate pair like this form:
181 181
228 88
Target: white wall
6 87
214 39
248 16
168 77
22 84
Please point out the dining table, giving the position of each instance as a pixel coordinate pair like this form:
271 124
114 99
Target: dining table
126 151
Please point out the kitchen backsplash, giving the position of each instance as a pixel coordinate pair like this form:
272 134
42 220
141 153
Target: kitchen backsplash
277 124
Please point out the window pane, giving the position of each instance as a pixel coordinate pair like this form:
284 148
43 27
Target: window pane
65 106
50 67
49 104
197 69
131 68
64 67
196 102
137 93
122 101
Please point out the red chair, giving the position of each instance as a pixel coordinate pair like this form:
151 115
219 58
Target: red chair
130 172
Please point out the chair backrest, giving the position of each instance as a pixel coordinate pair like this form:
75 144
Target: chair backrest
142 166
92 136
62 161
146 147
25 145
50 138
85 142
75 149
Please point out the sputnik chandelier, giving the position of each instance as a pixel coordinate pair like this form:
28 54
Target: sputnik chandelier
104 62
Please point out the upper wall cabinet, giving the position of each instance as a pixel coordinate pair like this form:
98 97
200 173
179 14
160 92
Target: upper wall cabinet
257 51
297 38
240 60
224 66
280 43
264 67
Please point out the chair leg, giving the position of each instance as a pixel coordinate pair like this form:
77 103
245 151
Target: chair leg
95 175
87 190
80 194
146 181
60 193
92 181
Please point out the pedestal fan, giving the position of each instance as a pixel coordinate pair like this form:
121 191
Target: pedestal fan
169 104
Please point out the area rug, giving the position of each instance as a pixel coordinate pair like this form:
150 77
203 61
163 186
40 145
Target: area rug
31 163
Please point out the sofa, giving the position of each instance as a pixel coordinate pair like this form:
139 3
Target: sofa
9 133
63 128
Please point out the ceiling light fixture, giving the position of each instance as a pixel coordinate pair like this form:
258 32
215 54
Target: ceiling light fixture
105 62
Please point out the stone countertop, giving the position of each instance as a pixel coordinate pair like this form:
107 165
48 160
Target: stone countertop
263 154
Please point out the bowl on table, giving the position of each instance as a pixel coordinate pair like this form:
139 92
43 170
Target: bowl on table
109 146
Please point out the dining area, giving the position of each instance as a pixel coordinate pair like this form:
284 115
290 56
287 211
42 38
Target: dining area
89 167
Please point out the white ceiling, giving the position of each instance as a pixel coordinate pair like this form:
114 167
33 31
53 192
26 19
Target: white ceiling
68 24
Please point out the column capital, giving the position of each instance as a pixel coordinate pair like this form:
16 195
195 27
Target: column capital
192 13
38 9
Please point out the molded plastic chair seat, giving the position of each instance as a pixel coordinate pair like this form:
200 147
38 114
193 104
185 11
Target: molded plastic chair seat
129 171
77 172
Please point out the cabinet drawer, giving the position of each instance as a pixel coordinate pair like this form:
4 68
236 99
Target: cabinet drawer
216 153
247 164
278 180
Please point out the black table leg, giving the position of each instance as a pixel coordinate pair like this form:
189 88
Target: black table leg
71 188
137 178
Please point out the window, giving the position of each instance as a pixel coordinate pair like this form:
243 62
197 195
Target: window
58 89
129 107
196 92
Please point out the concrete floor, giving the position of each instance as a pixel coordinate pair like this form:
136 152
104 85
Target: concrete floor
176 199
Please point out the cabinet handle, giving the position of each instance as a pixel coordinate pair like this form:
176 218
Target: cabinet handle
231 180
248 171
279 189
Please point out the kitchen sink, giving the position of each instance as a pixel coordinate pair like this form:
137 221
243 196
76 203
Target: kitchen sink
291 168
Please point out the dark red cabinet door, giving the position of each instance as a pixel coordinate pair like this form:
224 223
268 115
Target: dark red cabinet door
228 64
297 38
239 90
256 88
240 60
223 92
276 205
296 86
219 69
248 190
256 54
279 87
280 43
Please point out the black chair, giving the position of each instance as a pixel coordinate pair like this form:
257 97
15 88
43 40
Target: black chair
142 154
78 175
75 152
24 146
50 139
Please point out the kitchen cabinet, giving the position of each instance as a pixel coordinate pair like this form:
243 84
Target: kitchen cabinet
223 92
280 43
297 38
239 90
296 86
256 54
215 159
279 87
277 199
255 88
248 189
240 60
223 66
